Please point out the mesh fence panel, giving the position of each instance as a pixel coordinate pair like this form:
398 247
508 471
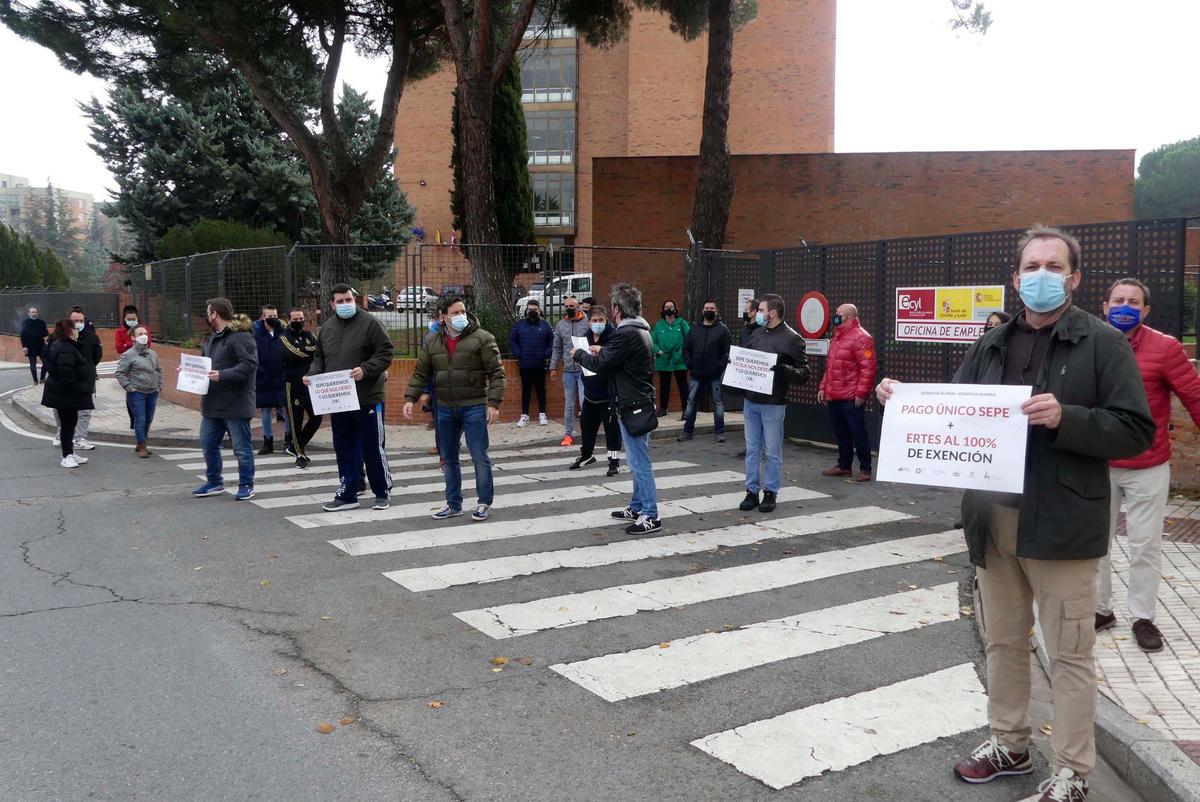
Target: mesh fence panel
102 308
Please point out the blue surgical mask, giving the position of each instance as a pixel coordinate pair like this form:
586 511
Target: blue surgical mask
1125 317
346 311
433 326
597 329
838 320
1043 291
459 322
760 319
79 325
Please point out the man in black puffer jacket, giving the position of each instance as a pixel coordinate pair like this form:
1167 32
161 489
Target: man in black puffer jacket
706 353
627 364
229 404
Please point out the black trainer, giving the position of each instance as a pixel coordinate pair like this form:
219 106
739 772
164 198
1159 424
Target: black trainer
612 467
643 526
749 502
626 514
581 462
268 447
768 502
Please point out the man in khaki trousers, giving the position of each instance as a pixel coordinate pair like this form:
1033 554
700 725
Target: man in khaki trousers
1087 406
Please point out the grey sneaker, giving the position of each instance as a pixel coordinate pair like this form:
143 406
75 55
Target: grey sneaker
481 512
685 437
339 503
382 504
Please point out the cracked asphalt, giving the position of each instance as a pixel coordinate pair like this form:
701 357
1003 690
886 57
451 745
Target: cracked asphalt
157 647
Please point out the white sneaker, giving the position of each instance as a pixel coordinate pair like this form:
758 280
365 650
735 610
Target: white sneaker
79 460
523 422
83 445
69 461
542 420
56 442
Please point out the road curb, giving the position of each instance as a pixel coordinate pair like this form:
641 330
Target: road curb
1148 762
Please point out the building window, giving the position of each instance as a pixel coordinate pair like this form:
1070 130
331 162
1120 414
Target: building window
553 199
548 75
539 29
551 136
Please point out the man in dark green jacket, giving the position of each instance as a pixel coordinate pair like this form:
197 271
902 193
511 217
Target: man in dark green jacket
1088 407
356 341
468 377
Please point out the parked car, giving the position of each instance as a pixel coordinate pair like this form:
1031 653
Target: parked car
577 284
422 298
464 291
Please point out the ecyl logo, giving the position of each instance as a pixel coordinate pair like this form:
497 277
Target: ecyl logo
910 303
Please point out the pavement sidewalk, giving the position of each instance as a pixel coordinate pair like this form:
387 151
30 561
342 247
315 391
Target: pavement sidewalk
175 425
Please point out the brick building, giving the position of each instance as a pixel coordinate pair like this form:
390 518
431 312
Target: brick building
18 200
641 97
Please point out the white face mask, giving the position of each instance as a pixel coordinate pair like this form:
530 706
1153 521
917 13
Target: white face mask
131 322
141 339
79 325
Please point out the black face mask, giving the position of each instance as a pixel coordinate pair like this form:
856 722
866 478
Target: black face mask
710 315
273 322
532 315
668 313
297 326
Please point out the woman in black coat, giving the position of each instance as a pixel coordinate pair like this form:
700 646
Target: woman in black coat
69 384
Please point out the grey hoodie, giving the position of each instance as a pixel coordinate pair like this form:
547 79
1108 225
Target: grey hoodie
563 332
138 370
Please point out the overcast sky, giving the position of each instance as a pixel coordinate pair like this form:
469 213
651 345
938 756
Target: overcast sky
1049 74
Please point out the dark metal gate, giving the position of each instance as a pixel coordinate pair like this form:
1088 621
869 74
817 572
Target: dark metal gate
868 273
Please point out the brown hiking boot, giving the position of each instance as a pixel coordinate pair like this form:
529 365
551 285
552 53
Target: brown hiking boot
836 471
1148 638
992 760
142 451
863 476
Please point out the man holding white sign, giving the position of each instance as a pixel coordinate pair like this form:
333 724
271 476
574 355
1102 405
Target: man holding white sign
1087 406
356 342
228 403
775 359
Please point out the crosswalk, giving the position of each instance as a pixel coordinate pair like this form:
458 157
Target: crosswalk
542 538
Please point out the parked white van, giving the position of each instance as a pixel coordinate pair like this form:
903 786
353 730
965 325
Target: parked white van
577 284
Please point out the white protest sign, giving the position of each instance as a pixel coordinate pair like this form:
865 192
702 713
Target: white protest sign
193 374
971 436
332 392
744 297
750 370
581 342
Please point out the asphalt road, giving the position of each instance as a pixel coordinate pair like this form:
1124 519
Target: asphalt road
155 647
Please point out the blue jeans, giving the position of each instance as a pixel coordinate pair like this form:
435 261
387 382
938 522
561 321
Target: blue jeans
267 414
693 400
573 394
452 423
358 440
850 426
637 453
764 433
141 409
212 432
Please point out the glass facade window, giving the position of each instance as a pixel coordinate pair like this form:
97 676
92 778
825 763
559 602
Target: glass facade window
548 75
538 28
551 136
553 199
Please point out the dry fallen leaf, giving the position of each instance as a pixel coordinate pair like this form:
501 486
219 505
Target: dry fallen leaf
325 727
631 734
939 559
1143 721
726 626
279 672
499 661
435 704
135 548
1047 729
325 618
525 661
911 586
967 609
346 721
664 645
497 670
262 583
198 568
788 551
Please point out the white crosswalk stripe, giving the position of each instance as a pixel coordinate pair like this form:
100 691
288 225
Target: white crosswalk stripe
494 570
326 456
624 675
467 532
514 500
845 732
468 483
328 480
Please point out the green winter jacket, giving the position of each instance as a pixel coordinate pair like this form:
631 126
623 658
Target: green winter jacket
1064 509
668 344
474 376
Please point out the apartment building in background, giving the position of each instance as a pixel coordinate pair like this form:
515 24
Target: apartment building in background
18 199
641 97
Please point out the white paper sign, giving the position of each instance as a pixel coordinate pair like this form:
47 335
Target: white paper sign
193 374
581 342
744 296
332 392
971 436
816 347
750 370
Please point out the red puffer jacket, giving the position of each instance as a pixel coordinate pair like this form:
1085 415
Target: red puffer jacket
850 366
1165 369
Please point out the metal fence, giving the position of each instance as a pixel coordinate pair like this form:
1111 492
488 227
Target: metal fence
102 308
868 273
